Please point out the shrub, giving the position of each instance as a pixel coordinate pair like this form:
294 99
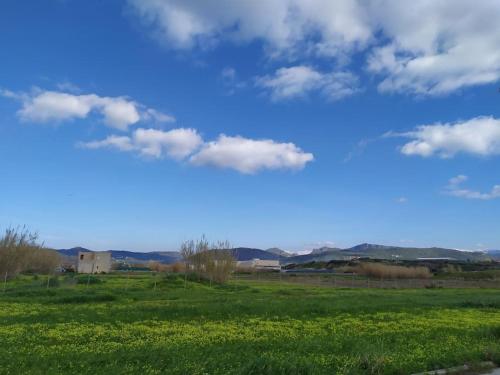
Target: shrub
386 271
157 267
177 267
21 252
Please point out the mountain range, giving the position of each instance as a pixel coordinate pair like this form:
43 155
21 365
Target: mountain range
321 254
130 256
388 252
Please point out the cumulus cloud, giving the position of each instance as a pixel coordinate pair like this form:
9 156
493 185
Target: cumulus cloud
283 25
424 48
298 81
477 136
455 189
250 156
436 47
241 154
175 143
117 112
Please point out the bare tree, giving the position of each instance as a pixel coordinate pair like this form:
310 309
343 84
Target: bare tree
222 263
187 252
212 262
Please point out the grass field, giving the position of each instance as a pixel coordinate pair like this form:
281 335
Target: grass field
128 326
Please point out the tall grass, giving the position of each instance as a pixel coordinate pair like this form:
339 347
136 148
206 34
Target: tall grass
386 271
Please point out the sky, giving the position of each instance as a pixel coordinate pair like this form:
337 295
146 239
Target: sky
298 124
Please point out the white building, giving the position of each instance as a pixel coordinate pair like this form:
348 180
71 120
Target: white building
94 262
260 264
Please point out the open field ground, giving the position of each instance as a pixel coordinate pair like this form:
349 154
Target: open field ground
356 281
127 325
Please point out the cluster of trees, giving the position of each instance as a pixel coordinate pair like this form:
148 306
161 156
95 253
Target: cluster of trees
213 262
20 251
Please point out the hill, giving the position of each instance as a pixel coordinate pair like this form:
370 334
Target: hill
245 253
168 257
279 252
387 252
130 256
495 254
73 252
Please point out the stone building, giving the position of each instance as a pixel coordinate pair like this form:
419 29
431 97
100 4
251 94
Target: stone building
94 262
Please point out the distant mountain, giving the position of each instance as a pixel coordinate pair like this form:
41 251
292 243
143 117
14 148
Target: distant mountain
323 249
73 252
323 254
387 252
134 256
495 254
245 253
130 256
368 247
239 253
279 252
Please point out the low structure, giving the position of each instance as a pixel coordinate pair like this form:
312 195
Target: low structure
260 264
94 262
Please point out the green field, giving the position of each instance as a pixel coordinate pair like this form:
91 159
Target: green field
127 326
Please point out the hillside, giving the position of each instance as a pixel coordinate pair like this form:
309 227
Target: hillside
388 252
240 253
495 254
130 256
245 253
279 252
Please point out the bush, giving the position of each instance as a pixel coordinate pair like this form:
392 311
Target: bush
21 252
386 271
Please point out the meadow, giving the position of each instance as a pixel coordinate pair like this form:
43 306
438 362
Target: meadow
156 324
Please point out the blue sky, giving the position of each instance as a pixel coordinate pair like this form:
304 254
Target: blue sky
137 125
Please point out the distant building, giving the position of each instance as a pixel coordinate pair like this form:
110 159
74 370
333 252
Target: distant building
94 262
260 264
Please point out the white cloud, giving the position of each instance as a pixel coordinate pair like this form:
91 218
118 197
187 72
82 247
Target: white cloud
477 136
250 156
117 112
436 47
402 200
176 143
284 25
157 116
298 81
122 143
454 188
242 154
426 47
